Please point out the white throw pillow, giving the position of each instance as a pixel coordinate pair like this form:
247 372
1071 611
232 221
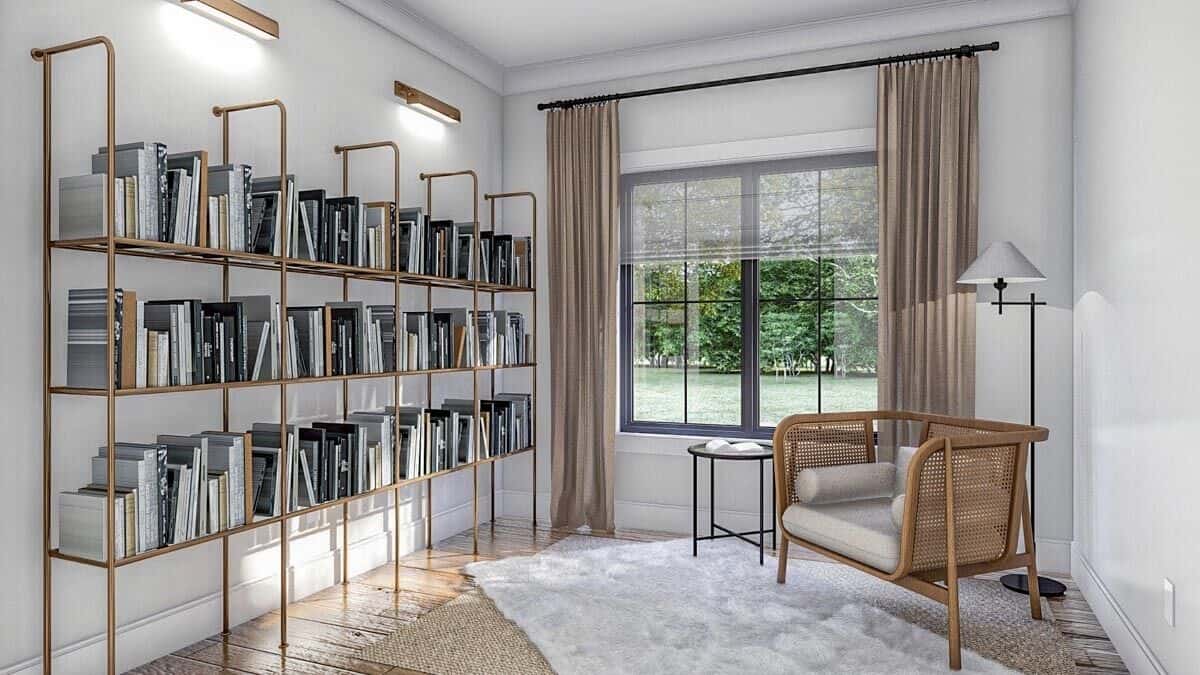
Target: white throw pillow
847 482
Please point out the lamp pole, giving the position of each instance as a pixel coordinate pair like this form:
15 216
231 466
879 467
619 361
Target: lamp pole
1020 582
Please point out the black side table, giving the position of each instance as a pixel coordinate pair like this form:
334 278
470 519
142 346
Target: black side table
698 451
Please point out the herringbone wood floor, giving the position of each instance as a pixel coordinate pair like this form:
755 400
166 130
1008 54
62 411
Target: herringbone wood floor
328 628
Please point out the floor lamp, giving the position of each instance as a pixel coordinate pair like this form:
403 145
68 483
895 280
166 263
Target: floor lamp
1002 264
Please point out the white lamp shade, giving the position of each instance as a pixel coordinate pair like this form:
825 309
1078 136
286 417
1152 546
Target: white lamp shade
1004 261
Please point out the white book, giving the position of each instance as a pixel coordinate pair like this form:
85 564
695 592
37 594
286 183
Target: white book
722 445
164 366
263 346
119 206
213 486
143 339
214 222
183 505
183 195
310 494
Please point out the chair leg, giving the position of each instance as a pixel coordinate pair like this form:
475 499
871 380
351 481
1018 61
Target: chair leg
782 553
953 627
1035 597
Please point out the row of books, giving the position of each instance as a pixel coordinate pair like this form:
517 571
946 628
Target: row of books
179 488
170 491
507 259
178 198
182 342
161 343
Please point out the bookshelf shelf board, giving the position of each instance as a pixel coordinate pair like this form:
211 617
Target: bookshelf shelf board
158 250
217 386
273 520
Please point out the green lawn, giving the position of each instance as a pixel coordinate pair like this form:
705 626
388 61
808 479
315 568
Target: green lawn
715 398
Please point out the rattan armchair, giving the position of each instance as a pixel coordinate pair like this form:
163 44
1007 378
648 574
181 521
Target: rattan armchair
960 517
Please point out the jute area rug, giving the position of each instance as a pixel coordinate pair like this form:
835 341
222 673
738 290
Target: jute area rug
593 605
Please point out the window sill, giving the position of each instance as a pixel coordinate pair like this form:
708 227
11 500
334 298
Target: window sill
666 444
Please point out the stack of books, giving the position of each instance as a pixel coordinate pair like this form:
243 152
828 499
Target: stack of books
507 259
167 492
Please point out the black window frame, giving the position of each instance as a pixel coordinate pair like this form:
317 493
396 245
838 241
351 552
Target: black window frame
749 172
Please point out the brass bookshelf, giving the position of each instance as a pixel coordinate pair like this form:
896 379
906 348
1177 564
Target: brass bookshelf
113 246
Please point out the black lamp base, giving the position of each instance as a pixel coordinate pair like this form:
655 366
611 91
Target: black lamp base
1047 588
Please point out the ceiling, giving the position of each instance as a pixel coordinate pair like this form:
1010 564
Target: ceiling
517 33
518 46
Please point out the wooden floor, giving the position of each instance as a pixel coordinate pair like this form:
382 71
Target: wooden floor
327 629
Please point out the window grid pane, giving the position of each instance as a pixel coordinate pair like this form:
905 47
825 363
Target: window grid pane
815 232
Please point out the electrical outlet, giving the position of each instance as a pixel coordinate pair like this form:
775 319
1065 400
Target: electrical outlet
1169 602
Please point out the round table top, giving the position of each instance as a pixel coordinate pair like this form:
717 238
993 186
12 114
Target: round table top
699 450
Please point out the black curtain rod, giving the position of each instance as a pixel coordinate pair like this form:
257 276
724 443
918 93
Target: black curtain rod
965 50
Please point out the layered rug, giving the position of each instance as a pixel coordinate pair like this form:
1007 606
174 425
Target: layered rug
593 605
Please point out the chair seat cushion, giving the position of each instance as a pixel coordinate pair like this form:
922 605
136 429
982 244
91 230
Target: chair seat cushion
845 482
861 530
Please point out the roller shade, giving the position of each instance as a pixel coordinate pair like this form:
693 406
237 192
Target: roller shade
793 209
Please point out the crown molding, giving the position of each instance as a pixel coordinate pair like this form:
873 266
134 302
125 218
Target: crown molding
431 39
939 16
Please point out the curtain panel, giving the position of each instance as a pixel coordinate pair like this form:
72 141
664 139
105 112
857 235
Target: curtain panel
928 171
583 175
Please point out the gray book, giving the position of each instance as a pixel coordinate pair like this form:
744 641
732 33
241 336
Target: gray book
233 180
155 455
147 161
132 474
82 525
87 318
83 206
226 453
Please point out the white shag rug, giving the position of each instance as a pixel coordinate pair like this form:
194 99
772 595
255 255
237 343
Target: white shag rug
593 605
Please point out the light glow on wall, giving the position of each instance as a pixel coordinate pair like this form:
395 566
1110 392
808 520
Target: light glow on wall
208 43
419 125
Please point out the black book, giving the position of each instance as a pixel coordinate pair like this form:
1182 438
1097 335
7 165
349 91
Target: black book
345 214
211 349
263 222
343 438
232 350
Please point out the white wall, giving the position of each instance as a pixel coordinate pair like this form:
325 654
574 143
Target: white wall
1136 233
334 71
1025 131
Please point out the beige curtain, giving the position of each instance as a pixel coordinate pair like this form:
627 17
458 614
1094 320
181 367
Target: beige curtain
583 173
928 148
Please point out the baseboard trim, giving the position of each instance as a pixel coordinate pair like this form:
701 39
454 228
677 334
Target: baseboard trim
201 611
1133 648
1054 556
657 517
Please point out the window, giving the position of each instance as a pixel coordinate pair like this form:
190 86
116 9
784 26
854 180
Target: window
748 292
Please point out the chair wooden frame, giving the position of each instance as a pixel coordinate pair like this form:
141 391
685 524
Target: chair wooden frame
966 497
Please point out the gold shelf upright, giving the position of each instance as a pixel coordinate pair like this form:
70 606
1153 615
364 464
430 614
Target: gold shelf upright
223 113
45 56
429 178
530 358
344 151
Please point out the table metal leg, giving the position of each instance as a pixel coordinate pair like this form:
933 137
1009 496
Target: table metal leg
695 497
761 531
712 496
774 524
